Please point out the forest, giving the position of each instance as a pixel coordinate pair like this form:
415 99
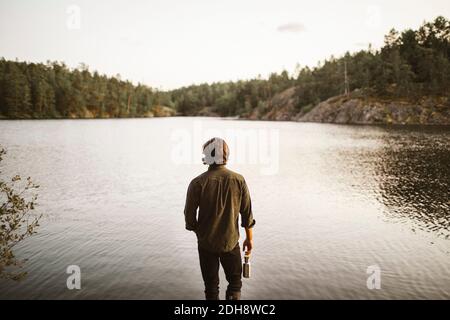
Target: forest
411 64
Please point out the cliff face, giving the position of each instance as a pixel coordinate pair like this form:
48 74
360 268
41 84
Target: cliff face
280 108
356 110
373 111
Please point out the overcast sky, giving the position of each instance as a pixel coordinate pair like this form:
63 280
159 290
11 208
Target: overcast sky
171 43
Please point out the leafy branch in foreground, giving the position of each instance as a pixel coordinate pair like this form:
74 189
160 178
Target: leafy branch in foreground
17 220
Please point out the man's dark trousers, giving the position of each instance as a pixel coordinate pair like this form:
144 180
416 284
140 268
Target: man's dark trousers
232 265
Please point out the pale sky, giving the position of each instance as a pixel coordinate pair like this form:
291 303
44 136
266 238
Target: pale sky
171 43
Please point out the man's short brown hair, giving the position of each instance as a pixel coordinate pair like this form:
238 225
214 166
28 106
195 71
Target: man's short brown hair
215 151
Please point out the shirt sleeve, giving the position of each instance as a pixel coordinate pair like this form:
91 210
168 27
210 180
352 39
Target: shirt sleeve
247 220
190 208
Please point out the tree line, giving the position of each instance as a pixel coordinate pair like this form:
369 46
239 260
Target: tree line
411 64
52 90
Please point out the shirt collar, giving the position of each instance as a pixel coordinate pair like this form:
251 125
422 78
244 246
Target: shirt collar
216 167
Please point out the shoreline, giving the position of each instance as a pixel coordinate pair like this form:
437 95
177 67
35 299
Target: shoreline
389 125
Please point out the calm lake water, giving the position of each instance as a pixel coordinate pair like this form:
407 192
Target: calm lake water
334 201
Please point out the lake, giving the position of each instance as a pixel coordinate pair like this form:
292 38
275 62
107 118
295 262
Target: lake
332 204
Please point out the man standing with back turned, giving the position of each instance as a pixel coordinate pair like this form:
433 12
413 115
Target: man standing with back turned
220 194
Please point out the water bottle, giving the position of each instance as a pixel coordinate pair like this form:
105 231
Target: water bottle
246 267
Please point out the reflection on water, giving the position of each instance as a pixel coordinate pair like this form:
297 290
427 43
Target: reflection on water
345 198
414 179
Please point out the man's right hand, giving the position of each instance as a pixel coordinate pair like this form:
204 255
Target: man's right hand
247 246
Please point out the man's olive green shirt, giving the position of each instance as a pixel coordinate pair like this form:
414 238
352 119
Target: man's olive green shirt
220 194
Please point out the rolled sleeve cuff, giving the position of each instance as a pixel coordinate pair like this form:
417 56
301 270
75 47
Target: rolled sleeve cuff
248 224
191 228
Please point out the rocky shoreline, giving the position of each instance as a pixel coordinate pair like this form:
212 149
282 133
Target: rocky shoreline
356 109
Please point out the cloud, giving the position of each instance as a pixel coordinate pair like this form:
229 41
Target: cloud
293 27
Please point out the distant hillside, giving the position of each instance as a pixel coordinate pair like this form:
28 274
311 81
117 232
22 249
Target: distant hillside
405 81
357 108
344 110
52 90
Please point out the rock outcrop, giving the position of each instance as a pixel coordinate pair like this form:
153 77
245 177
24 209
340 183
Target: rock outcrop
282 107
375 111
356 109
162 111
